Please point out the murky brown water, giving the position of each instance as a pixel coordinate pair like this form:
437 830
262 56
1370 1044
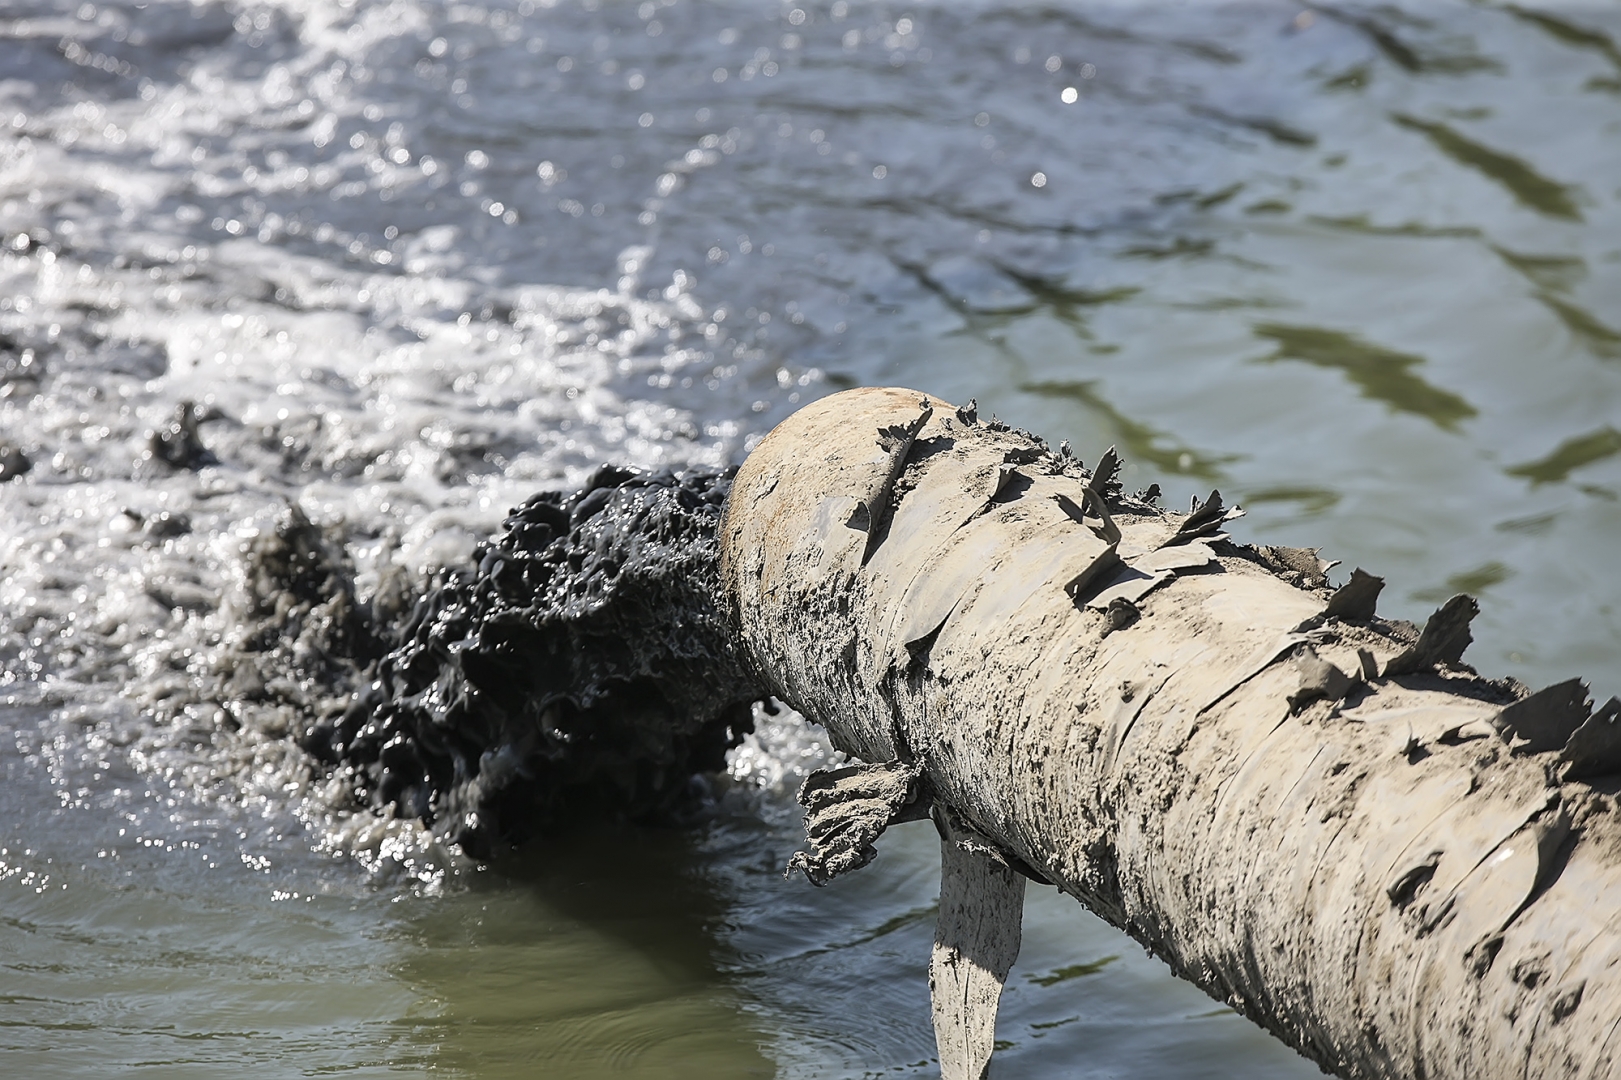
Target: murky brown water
1359 266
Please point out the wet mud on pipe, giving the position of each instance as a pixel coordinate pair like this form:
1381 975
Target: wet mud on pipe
1323 818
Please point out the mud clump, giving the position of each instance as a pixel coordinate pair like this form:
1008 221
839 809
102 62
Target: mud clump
302 644
300 594
583 666
13 462
179 444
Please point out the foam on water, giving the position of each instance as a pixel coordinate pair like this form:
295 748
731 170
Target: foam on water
126 572
781 751
402 413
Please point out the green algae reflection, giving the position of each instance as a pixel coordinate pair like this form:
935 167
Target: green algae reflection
1474 582
1381 374
1569 33
1569 456
1073 971
1527 185
1555 276
1600 339
1311 500
1138 441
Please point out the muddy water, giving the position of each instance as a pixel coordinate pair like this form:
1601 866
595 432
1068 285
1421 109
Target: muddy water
1360 267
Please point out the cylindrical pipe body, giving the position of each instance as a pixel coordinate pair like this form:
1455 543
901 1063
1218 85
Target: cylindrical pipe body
1357 860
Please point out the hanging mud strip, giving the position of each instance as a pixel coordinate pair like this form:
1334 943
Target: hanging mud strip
976 941
1323 818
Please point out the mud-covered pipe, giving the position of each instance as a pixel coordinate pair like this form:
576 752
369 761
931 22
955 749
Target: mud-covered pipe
1322 818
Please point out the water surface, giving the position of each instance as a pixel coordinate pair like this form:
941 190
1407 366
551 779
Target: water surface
1358 266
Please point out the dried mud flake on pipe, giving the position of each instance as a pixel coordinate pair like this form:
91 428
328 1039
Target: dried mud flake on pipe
847 810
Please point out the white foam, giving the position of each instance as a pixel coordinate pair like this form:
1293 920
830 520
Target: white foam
406 411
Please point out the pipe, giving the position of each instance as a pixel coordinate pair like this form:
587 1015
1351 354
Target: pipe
1323 818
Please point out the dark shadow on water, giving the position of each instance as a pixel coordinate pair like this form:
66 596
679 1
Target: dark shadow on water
591 954
1202 200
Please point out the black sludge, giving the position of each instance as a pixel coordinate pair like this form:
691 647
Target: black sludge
582 667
